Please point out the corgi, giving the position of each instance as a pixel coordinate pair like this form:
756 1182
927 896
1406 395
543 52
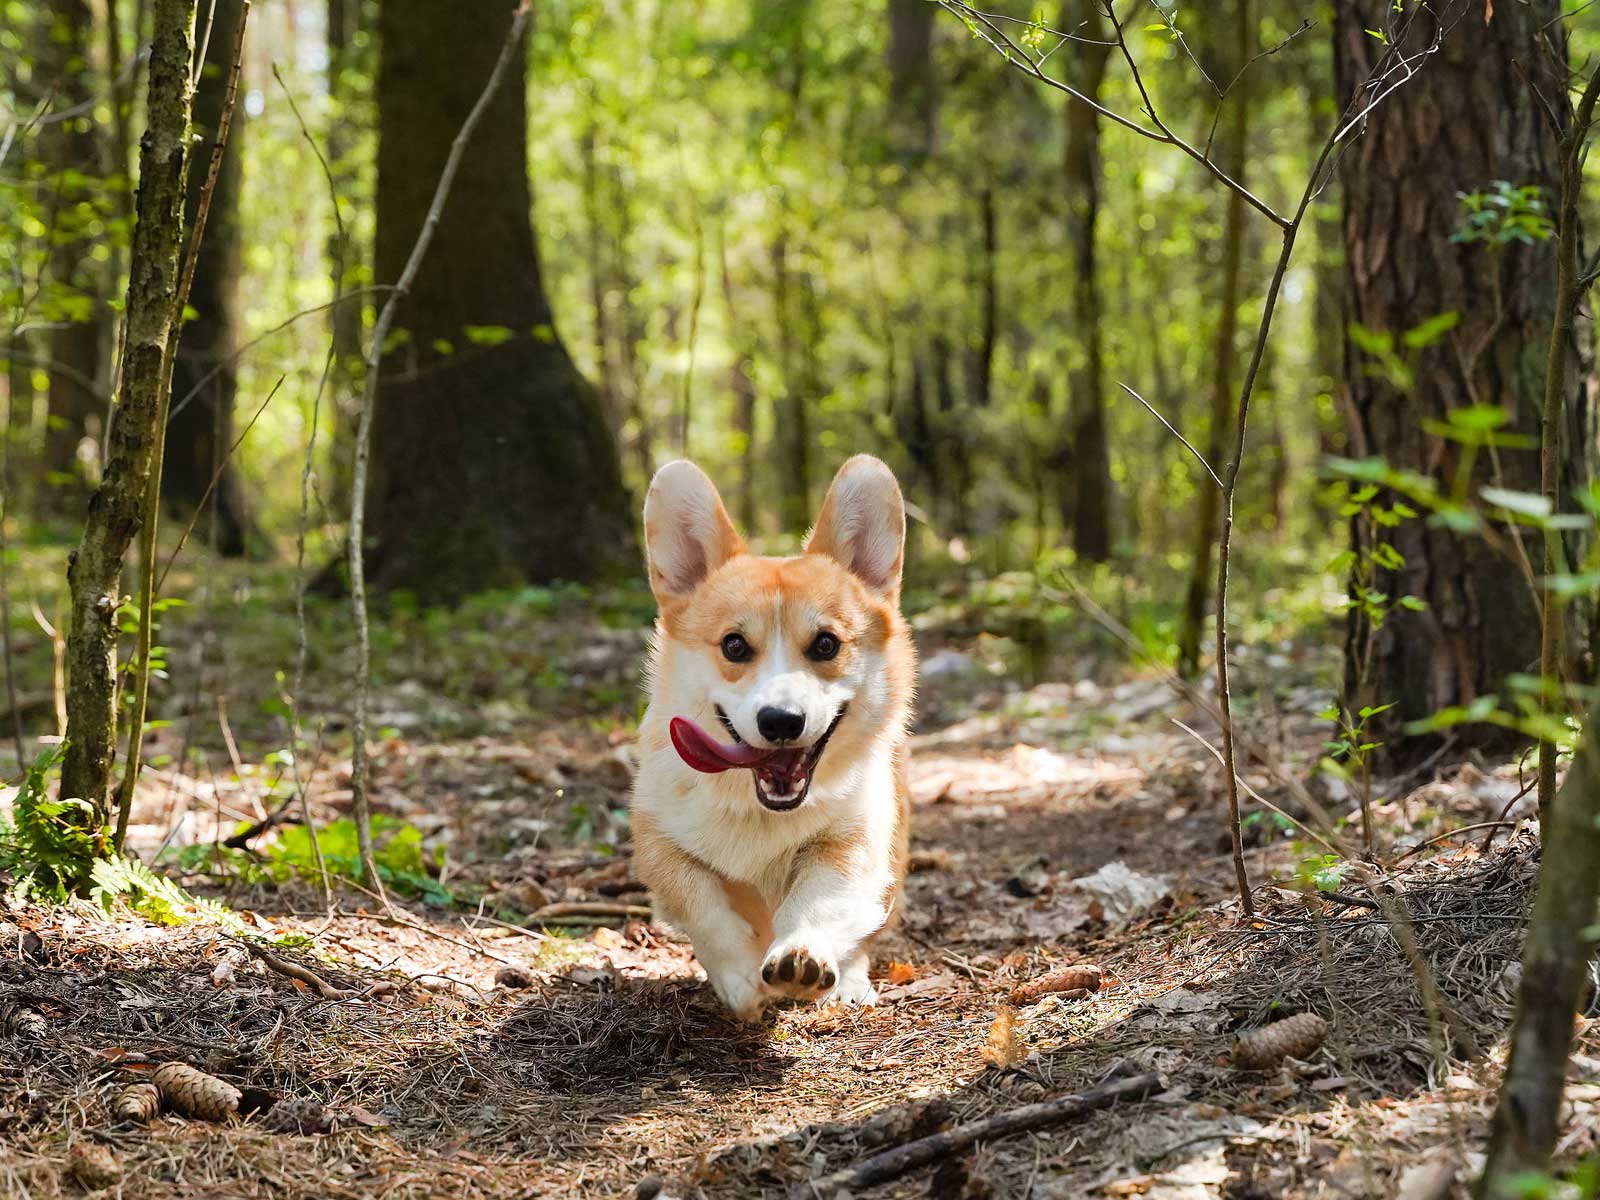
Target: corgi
770 806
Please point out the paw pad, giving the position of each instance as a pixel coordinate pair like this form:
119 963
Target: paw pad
799 969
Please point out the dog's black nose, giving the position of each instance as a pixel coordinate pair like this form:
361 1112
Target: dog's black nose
780 724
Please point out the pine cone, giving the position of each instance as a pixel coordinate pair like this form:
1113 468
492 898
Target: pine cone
17 1020
1084 977
137 1102
94 1166
1297 1037
196 1094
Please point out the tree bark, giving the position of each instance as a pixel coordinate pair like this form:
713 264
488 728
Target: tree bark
913 87
1089 451
1468 120
70 149
345 253
201 428
117 508
492 462
1555 969
744 397
792 436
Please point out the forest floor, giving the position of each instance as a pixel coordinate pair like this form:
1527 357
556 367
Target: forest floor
455 1054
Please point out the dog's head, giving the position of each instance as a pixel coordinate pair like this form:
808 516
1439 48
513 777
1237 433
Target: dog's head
784 656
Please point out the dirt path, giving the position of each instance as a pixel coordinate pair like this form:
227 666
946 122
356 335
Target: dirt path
605 1066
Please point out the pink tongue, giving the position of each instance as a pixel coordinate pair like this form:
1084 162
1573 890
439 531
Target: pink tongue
702 752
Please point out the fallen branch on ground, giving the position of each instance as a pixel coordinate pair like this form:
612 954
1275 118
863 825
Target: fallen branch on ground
591 909
897 1161
304 974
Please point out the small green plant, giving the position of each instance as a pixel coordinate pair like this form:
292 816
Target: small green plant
1374 517
1503 215
53 844
398 852
156 897
1321 872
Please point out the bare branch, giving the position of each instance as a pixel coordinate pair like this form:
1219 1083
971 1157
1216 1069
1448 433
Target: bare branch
1199 458
358 491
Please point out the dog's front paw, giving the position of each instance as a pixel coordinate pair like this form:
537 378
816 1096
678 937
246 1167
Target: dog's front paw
800 967
741 991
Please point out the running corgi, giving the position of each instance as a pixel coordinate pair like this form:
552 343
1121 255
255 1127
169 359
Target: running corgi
770 809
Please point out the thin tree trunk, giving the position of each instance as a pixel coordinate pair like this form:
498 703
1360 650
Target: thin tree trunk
744 397
205 377
70 149
791 433
1088 445
117 509
598 272
344 252
988 300
913 88
1224 350
1555 970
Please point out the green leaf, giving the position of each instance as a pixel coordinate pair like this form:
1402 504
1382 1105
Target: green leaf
1421 336
1527 503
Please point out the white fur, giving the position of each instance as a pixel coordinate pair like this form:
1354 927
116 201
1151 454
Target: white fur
823 910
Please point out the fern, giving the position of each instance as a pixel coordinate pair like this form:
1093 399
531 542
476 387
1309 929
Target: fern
53 845
156 897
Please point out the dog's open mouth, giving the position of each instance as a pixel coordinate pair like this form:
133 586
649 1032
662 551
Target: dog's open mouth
782 777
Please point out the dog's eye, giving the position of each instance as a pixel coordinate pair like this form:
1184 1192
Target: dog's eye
823 647
736 649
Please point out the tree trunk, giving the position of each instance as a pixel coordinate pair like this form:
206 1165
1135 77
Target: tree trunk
117 508
1555 970
70 150
1089 515
791 435
344 253
913 89
1224 348
205 376
492 463
1468 120
987 288
744 397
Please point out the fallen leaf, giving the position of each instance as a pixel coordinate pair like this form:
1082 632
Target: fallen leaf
1003 1049
364 1116
1331 1084
1122 892
608 938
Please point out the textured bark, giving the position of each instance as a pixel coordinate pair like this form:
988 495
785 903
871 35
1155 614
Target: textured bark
913 87
1555 971
75 403
492 464
1224 347
792 435
1089 451
345 252
200 432
1467 120
744 398
117 508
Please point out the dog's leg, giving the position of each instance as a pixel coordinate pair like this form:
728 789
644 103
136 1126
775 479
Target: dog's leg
729 924
838 900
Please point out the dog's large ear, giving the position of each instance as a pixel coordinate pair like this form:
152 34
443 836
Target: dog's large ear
687 531
863 524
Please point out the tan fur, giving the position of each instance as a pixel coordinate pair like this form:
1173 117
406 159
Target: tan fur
732 874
